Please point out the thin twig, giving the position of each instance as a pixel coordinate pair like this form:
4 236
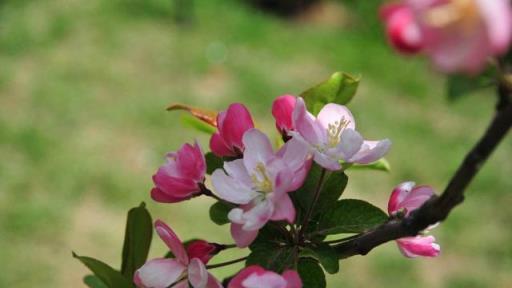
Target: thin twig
437 209
218 265
311 208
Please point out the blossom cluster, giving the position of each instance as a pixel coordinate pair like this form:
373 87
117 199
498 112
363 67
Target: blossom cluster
257 182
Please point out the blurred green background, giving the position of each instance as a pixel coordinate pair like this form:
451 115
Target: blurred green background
83 90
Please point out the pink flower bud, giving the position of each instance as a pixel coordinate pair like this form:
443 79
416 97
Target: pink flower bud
401 28
257 277
282 110
231 126
202 250
181 177
407 197
425 246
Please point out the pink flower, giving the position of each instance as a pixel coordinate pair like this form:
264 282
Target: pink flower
406 198
458 35
257 277
259 184
181 177
231 125
332 137
402 29
282 110
202 250
163 272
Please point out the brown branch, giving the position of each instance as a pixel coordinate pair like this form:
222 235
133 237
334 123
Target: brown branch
438 208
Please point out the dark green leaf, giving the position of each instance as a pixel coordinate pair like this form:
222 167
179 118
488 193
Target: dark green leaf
350 216
340 88
212 162
137 240
272 256
381 165
219 212
334 185
461 85
112 278
326 255
94 282
311 273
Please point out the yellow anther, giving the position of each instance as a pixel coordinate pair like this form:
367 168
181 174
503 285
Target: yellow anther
334 131
261 180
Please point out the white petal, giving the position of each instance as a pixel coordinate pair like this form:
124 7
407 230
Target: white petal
230 189
160 273
257 149
371 151
332 113
350 143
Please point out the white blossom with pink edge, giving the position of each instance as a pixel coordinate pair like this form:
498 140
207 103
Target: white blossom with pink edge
332 137
257 277
406 198
259 184
458 35
163 272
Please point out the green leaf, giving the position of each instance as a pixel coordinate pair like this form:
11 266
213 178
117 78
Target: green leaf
311 273
112 278
458 86
350 216
334 185
212 162
340 88
137 240
271 256
272 249
94 282
219 212
326 255
194 123
381 165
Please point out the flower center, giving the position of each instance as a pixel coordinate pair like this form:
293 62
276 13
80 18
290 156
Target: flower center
334 131
261 180
459 14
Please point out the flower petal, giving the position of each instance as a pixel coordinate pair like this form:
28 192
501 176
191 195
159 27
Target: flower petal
258 150
158 273
282 109
219 147
284 209
172 241
497 16
268 279
326 161
371 151
306 125
230 189
197 273
213 282
293 279
236 282
237 120
332 113
243 238
237 170
350 144
398 195
162 197
425 246
257 216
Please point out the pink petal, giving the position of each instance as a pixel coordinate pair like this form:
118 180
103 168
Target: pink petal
398 195
242 237
295 154
182 284
258 215
213 282
172 241
293 279
158 273
178 187
332 113
419 246
230 189
202 250
416 198
162 197
236 122
326 161
350 143
497 15
191 162
284 209
306 125
402 29
258 150
282 110
237 170
219 147
268 279
197 274
236 282
371 151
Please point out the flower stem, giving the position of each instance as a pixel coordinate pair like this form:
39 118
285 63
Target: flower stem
341 240
218 265
306 220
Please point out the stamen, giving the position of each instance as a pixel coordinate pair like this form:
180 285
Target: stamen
261 180
334 131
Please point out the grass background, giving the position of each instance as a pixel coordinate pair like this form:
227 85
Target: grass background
83 87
